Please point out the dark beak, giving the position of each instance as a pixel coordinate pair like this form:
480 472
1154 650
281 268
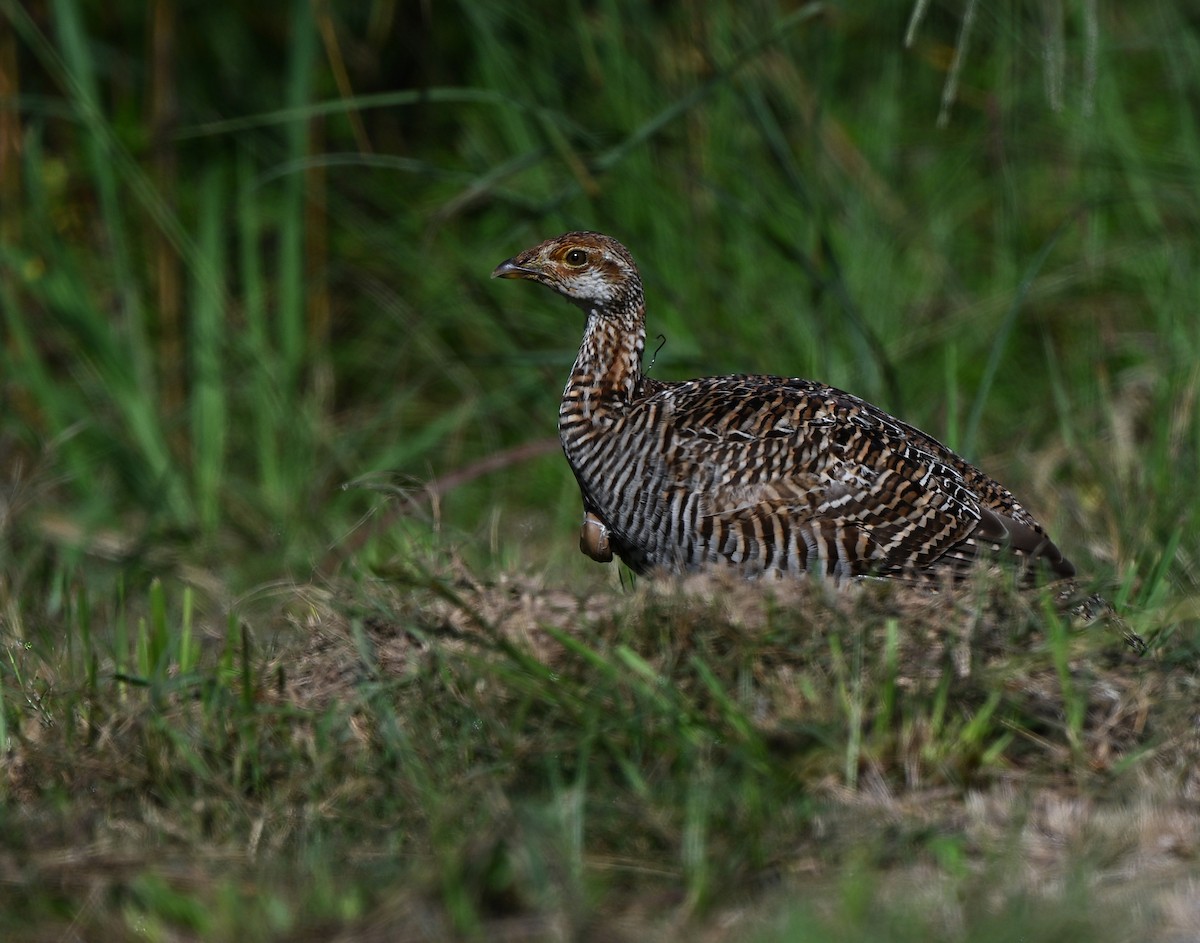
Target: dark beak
511 269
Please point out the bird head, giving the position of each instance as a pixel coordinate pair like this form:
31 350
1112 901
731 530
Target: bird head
589 269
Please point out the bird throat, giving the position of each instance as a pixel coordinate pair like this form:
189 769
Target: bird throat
607 375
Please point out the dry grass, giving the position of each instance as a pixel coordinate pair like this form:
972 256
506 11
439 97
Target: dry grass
697 760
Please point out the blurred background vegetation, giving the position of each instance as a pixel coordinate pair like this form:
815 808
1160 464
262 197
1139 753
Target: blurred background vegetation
244 258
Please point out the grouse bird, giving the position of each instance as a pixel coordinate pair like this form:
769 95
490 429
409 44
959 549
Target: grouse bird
771 476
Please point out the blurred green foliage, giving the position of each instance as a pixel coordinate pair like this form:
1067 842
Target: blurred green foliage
245 254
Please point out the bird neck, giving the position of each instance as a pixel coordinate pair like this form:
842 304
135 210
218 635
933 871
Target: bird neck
609 366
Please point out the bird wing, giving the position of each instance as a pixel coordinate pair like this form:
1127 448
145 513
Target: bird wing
786 462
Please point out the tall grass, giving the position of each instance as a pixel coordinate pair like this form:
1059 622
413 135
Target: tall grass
777 175
669 752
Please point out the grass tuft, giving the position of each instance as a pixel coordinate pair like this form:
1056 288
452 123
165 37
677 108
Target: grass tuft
504 755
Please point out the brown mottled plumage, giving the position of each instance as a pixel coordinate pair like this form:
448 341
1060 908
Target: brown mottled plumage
769 475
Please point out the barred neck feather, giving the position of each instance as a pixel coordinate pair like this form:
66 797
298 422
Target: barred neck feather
608 368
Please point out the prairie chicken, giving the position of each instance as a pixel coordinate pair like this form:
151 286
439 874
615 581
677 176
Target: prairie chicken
768 475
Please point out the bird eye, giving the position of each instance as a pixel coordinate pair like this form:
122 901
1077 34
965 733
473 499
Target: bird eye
575 257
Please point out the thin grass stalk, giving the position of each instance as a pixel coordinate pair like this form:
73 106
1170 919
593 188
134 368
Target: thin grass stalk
263 363
159 644
167 278
187 649
209 413
120 643
888 690
4 741
143 658
695 857
11 140
80 74
848 685
319 309
88 649
290 318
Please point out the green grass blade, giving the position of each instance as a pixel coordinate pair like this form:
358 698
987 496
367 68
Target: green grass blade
208 329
